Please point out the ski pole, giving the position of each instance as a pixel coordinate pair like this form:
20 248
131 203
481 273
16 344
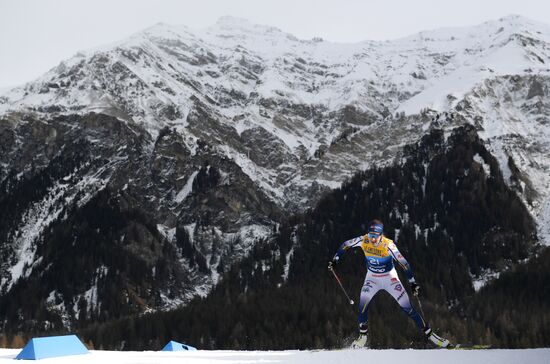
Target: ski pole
419 305
341 286
437 340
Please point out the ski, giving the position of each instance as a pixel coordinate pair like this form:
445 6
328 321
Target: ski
469 347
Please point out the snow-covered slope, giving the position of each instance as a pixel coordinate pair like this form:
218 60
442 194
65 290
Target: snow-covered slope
532 356
511 45
513 114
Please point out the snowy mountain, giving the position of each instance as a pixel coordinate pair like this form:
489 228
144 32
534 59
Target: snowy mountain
304 97
201 141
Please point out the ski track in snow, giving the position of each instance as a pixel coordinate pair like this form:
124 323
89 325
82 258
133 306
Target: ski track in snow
501 356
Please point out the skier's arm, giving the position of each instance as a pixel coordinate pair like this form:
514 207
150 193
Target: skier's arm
347 245
398 257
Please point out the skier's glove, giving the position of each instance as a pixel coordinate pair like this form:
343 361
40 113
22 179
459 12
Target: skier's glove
415 288
332 263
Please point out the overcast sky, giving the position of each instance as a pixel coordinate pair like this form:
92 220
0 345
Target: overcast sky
35 35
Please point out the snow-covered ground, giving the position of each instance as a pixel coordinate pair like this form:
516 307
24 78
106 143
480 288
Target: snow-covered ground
532 356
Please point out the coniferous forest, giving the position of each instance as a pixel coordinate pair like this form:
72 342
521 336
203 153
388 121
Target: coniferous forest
452 216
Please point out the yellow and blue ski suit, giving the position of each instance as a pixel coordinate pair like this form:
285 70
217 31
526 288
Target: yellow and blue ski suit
381 275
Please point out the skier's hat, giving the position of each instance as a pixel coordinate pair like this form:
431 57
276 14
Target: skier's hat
376 228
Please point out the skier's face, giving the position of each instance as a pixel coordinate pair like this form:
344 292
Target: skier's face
374 238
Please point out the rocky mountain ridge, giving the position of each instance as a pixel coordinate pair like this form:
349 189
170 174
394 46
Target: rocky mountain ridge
307 98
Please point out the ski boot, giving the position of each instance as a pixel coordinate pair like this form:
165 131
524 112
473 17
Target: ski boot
361 341
435 339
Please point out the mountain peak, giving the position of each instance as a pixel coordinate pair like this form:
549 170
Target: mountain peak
517 22
515 18
232 23
167 30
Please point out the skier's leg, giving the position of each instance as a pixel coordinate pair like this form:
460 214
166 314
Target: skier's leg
398 292
395 288
369 289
